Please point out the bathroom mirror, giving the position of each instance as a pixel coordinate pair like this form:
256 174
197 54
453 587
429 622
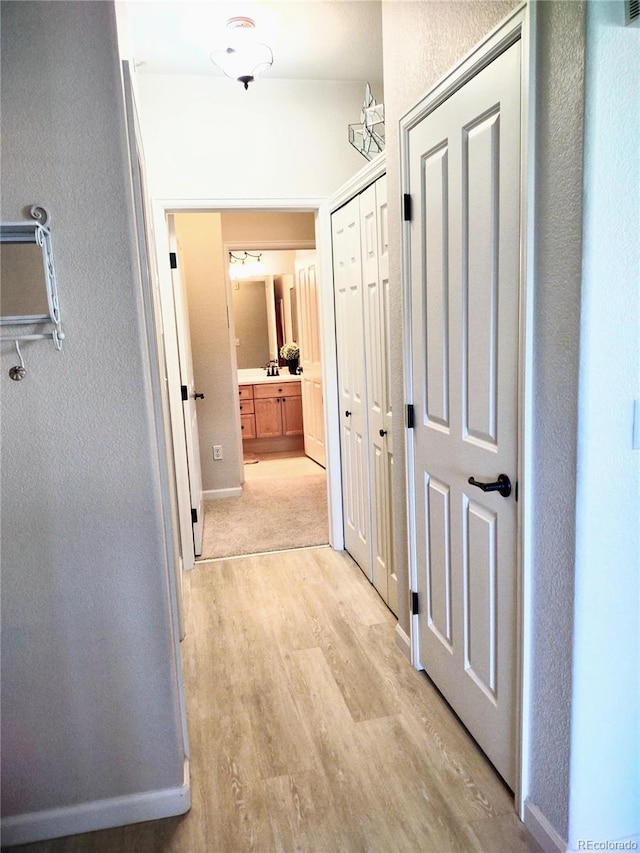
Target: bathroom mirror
254 317
28 295
23 297
265 317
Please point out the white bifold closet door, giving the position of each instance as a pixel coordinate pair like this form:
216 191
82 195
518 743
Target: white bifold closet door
310 359
361 282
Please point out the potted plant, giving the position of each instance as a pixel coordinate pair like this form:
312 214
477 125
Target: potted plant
291 354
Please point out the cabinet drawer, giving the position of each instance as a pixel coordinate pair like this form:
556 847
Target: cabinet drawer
287 389
248 426
246 407
245 392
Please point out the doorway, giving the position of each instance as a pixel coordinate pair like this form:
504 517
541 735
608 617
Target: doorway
246 280
465 247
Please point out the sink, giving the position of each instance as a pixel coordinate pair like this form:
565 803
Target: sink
256 375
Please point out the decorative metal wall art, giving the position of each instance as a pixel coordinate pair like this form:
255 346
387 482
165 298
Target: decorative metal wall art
368 136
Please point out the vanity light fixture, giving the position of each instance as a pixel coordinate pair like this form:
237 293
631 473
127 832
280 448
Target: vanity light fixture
244 57
241 265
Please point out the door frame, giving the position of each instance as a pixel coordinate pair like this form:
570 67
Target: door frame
518 26
317 206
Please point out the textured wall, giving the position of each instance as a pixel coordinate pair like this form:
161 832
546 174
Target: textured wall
200 237
89 701
275 227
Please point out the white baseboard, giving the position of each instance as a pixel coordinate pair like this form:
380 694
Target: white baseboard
216 494
542 831
99 814
403 642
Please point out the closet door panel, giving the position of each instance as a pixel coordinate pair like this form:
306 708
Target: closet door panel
352 382
375 264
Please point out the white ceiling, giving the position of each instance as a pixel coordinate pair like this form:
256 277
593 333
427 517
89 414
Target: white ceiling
310 39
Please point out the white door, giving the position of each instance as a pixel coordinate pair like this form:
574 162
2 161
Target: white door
309 334
189 398
375 274
347 272
464 171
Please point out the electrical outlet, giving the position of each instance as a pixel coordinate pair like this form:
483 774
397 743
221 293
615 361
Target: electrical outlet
217 451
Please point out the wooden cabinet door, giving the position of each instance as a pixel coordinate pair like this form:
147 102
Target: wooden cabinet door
291 408
268 417
248 426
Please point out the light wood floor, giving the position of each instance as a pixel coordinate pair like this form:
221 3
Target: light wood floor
310 731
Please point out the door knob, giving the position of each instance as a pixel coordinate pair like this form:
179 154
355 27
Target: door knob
382 432
502 485
198 396
347 414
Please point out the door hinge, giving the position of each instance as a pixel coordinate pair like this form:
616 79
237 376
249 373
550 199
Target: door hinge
410 416
173 260
406 207
185 393
415 609
194 516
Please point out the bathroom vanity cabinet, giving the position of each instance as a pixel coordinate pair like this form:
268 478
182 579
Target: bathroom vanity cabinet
271 409
278 409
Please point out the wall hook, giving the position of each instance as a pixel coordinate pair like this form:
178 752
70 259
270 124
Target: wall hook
19 371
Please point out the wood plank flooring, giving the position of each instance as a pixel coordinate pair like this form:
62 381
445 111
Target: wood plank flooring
309 730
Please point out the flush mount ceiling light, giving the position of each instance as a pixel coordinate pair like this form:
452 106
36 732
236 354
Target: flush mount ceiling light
245 265
244 57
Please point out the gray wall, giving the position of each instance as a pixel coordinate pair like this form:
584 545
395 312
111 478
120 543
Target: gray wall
89 688
200 236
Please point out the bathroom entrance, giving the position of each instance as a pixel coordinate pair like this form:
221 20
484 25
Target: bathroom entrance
252 300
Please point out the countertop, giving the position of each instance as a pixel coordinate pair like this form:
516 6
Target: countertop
258 376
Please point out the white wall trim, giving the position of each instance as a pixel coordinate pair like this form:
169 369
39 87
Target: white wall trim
269 245
403 642
369 173
220 205
216 494
525 402
542 831
328 358
99 814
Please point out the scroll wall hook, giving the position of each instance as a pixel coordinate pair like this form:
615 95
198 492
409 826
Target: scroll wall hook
19 371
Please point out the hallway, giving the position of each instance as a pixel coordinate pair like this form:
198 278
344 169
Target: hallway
310 731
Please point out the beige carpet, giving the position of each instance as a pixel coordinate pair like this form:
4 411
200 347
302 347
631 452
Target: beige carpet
272 515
